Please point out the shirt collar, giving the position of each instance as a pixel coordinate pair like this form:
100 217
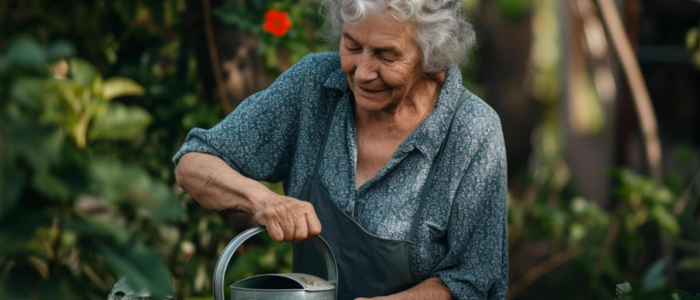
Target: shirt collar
337 80
428 137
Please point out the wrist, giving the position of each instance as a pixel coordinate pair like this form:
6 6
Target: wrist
256 196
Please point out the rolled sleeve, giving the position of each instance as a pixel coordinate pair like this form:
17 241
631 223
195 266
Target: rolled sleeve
257 138
476 265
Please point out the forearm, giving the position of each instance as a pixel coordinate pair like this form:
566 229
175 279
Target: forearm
217 186
430 289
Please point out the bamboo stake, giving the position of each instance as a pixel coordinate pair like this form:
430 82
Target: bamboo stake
640 94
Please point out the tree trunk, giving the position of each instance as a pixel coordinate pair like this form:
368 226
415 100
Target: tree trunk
241 68
505 45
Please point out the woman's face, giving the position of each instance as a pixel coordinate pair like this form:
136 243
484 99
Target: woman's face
381 60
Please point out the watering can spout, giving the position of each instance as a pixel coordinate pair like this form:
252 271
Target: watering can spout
227 254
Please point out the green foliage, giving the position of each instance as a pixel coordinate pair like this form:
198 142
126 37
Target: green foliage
604 245
577 225
513 9
69 211
646 201
83 98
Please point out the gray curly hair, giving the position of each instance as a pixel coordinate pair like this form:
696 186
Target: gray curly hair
442 31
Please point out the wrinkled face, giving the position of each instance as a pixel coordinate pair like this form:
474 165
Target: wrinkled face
381 60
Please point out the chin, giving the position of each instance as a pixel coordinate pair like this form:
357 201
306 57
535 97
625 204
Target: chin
371 104
368 101
364 104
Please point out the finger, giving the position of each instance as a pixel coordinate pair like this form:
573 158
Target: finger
301 230
264 216
275 231
286 220
313 222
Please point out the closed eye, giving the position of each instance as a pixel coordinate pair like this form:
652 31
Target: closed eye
350 43
387 56
353 49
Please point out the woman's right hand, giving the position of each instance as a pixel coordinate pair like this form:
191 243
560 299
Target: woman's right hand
287 218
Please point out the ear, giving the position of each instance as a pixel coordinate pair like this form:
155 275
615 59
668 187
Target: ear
438 76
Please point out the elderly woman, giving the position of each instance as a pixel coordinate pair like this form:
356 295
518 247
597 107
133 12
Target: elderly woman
381 151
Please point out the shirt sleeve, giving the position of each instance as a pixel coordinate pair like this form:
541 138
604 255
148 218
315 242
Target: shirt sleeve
476 264
257 139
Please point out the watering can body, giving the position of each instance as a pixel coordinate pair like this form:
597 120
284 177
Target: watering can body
291 286
283 286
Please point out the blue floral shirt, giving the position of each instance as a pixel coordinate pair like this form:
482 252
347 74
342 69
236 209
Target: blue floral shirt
274 136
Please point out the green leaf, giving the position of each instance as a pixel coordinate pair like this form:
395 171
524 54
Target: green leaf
665 219
59 50
142 267
121 86
121 122
662 196
24 55
654 278
82 72
71 93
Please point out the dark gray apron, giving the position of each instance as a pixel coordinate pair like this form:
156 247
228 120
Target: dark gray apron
368 266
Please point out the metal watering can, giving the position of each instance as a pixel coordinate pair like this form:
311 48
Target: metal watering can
290 286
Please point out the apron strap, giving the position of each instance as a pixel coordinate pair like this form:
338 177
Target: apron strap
324 140
413 235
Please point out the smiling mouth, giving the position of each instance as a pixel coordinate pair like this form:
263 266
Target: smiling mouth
370 91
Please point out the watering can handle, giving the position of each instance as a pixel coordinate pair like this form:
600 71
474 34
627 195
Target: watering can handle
225 258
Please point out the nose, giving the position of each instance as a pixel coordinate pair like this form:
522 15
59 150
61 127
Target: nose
366 68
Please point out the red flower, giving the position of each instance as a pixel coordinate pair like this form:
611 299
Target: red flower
277 22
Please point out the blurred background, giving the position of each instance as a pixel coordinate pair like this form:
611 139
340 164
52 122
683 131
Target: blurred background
599 100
